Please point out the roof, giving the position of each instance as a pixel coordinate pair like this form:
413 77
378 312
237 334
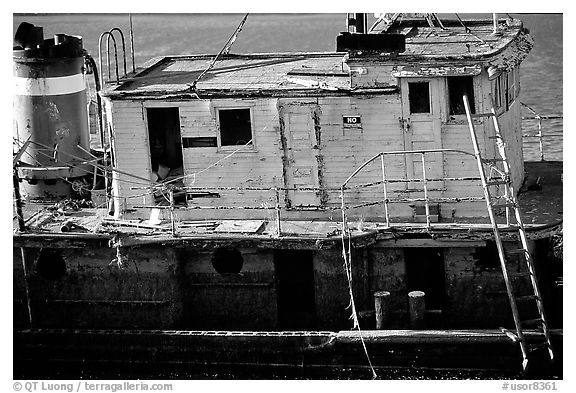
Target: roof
252 73
293 74
469 39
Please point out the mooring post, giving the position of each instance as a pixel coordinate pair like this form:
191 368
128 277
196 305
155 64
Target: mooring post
381 303
417 306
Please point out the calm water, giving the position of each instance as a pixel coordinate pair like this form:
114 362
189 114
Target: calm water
176 34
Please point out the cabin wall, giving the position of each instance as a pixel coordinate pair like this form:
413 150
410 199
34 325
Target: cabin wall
205 167
130 147
260 166
333 150
346 148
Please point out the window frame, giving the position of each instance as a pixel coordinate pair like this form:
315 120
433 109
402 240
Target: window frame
228 148
430 107
448 102
510 88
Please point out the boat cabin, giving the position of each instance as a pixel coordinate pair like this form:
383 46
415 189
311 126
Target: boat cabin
255 130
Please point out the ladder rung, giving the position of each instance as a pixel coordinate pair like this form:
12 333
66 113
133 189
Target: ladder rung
496 182
502 205
527 297
519 274
532 322
476 115
537 346
518 251
492 160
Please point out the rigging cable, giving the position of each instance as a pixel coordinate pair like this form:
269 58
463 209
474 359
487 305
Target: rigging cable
224 50
467 29
347 256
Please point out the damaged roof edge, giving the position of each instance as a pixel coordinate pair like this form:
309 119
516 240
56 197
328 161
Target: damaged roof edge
272 93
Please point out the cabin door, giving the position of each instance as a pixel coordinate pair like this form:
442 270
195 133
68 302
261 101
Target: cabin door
422 125
301 165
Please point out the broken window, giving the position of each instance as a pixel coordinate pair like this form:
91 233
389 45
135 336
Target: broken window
419 97
235 127
459 86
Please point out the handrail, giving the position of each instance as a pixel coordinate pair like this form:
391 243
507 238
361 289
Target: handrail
424 179
539 134
108 35
395 152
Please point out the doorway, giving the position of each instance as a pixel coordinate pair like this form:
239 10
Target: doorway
422 129
165 141
425 272
295 289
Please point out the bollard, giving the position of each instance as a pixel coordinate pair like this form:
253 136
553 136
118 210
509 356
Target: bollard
381 303
417 306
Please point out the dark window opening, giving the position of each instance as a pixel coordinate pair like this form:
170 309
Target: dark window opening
295 288
497 92
235 127
50 264
227 261
425 272
419 97
487 257
202 141
459 86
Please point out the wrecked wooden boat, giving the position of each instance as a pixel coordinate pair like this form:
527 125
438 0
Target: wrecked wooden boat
369 207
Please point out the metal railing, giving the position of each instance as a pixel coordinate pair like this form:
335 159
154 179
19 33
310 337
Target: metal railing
539 134
424 180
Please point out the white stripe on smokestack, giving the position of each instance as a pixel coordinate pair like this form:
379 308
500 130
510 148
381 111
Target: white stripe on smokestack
49 86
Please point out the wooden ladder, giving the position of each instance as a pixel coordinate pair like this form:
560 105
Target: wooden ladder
522 284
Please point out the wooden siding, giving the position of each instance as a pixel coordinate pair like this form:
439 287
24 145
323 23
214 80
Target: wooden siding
336 150
129 139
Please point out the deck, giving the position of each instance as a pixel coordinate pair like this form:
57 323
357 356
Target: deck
540 201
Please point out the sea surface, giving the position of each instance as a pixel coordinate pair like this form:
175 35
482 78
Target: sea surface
178 34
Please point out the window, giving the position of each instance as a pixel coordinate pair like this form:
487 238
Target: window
419 97
511 87
235 127
459 86
497 92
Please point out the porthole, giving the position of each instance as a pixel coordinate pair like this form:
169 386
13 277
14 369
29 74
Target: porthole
227 261
50 264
